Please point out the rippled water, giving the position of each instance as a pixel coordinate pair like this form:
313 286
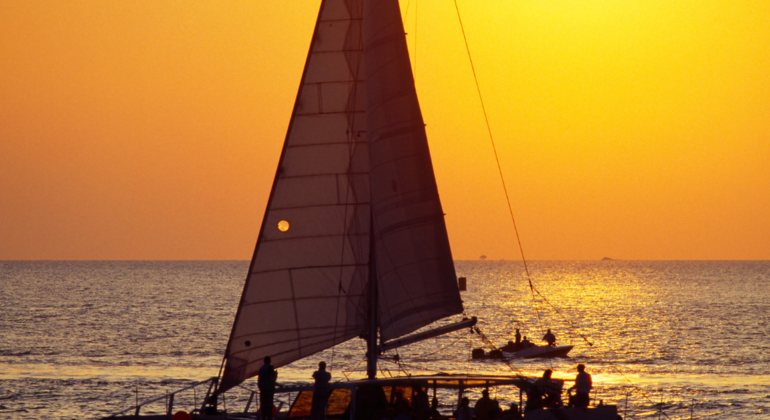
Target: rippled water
85 339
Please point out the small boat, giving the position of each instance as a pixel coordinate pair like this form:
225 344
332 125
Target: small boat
533 352
539 351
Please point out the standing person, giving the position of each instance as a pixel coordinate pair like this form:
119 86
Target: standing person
420 403
321 392
550 338
582 387
266 384
517 343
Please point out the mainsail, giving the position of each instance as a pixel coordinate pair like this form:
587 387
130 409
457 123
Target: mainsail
355 172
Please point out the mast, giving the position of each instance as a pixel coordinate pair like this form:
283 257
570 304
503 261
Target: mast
371 336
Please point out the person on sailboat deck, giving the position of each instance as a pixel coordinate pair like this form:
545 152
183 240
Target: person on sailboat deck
401 405
464 412
550 338
434 409
266 384
420 404
545 392
511 413
321 391
582 387
485 407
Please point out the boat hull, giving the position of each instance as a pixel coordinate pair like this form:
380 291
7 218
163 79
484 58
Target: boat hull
609 412
539 351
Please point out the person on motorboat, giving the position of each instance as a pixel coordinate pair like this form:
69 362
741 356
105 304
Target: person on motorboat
550 338
582 387
517 343
525 343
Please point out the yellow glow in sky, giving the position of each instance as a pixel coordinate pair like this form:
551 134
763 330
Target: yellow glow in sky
628 129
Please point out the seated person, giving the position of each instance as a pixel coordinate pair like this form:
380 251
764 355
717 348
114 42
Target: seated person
464 412
550 389
511 413
525 343
400 404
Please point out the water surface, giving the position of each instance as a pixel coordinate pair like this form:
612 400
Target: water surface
86 339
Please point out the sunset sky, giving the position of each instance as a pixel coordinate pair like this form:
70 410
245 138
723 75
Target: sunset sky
627 129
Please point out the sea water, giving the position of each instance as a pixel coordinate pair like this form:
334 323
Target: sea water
662 339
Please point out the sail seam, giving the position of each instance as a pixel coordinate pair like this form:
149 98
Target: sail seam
347 337
337 143
415 262
265 302
320 175
348 330
296 316
340 20
308 267
426 220
312 237
399 159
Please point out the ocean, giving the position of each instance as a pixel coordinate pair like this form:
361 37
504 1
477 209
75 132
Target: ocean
662 339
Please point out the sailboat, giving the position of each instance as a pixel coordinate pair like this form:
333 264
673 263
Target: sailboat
353 242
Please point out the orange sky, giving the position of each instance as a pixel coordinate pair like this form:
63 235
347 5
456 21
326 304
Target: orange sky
628 129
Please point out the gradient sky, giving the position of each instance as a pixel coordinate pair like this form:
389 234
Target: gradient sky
627 129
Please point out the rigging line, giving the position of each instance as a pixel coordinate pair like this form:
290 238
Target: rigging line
505 189
414 70
345 373
436 351
490 344
497 159
351 140
470 352
491 139
442 348
563 317
400 363
636 388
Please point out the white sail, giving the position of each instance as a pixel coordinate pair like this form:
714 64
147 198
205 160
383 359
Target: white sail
356 136
305 288
416 275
